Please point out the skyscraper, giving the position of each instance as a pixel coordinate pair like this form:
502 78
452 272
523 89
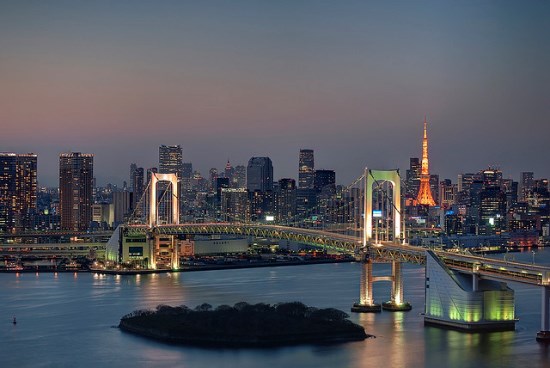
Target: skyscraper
171 160
525 185
259 174
285 200
306 169
187 175
413 177
424 196
137 183
239 177
76 173
17 190
306 195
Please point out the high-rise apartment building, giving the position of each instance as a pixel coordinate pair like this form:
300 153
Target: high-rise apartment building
306 169
76 172
17 190
259 174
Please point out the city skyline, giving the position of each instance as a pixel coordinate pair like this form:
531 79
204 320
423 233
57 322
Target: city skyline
352 81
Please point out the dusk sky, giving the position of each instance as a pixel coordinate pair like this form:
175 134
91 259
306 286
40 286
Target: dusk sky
235 79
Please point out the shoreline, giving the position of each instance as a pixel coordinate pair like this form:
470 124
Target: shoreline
206 267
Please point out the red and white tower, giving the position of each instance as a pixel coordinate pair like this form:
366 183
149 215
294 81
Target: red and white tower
424 192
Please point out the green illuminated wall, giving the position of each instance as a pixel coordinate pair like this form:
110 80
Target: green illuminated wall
450 297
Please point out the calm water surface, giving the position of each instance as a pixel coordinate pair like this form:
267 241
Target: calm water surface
66 320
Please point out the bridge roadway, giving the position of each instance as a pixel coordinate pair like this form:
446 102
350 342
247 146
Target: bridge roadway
386 251
50 250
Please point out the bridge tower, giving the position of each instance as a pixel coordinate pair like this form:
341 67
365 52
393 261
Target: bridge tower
163 249
374 177
366 298
153 205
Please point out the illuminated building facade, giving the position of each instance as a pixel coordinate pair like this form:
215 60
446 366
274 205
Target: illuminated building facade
17 190
424 196
76 173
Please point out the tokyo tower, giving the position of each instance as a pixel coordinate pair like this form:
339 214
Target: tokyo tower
424 192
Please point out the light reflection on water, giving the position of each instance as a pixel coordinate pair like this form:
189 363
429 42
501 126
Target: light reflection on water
66 316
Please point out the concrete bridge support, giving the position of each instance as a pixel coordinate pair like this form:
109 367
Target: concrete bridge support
366 298
396 303
366 301
544 334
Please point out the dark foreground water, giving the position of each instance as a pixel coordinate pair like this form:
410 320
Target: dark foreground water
66 319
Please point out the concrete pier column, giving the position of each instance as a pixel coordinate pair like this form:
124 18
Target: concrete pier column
544 334
366 300
475 282
397 284
396 303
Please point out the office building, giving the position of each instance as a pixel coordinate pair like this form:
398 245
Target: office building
285 200
171 160
259 174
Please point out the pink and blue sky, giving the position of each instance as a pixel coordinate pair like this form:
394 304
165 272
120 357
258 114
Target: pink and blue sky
234 79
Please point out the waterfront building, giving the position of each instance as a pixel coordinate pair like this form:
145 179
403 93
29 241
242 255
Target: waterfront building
259 174
18 191
76 172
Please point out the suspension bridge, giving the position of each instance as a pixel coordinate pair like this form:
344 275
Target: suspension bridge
462 290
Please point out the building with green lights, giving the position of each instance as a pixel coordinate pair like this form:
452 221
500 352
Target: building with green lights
465 301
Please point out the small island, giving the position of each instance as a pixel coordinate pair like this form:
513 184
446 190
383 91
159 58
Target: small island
244 325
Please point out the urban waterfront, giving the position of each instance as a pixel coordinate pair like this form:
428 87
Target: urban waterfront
67 319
